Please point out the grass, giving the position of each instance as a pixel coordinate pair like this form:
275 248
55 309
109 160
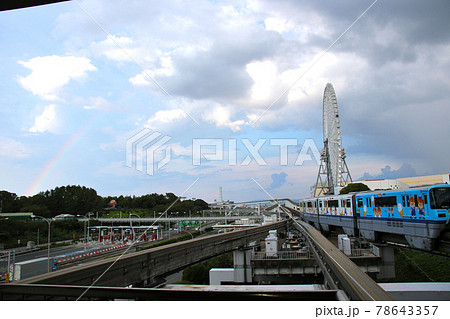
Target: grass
415 266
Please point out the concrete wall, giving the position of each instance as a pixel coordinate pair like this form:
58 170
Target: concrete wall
418 291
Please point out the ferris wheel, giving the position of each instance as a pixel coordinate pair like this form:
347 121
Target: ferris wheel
333 166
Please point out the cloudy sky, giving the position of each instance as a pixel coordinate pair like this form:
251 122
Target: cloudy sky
80 78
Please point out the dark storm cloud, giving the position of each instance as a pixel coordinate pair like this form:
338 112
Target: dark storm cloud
404 25
399 106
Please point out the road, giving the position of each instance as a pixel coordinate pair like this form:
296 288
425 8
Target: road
59 251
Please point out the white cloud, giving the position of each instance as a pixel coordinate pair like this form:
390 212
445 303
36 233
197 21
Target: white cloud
12 149
115 48
45 121
180 150
50 73
264 75
97 102
165 68
221 117
166 116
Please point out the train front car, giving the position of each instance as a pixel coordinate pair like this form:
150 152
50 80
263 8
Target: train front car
336 212
416 216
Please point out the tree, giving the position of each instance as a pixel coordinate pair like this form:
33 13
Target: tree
36 209
354 187
10 202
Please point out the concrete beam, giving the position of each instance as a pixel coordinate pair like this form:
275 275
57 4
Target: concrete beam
144 267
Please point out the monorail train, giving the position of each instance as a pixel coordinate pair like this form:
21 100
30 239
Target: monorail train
416 216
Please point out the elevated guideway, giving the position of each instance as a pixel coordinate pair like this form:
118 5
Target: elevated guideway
343 279
287 201
146 267
176 219
339 271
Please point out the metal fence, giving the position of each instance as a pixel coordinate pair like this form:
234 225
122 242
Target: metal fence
356 252
282 255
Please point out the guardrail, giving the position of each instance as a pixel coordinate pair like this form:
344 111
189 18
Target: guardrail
76 257
282 255
55 292
339 271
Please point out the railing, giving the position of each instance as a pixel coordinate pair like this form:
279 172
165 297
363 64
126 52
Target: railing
286 255
361 252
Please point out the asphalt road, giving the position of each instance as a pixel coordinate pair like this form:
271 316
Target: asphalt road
57 251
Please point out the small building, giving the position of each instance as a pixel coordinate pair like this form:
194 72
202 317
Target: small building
16 216
383 184
64 216
272 244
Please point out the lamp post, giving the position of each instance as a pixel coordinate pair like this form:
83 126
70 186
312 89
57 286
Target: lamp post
49 221
86 238
131 224
168 222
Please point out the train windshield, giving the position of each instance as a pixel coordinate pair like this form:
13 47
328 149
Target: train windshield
440 198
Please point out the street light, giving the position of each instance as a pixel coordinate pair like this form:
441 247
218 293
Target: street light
168 221
86 238
49 221
131 224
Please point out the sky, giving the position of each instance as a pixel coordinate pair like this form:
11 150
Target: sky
232 92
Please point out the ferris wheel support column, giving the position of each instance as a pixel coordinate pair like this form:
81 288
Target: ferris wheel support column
324 182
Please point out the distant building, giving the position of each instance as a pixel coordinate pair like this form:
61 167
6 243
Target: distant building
64 216
18 215
406 182
426 180
385 184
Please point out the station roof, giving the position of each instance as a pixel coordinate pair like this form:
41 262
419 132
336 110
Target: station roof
18 215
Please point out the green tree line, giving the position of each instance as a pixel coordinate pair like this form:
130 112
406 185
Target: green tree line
79 200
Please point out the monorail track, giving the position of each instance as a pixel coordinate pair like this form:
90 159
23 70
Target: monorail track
339 271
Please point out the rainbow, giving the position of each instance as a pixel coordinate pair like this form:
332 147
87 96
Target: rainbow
43 175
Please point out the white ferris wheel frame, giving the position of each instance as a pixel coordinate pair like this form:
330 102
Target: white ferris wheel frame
332 136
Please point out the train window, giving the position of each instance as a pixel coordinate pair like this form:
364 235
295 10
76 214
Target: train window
333 203
378 202
360 202
386 201
404 202
415 199
440 198
320 204
425 198
309 204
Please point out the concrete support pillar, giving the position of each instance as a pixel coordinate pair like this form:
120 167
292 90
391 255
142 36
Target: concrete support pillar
242 266
387 268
